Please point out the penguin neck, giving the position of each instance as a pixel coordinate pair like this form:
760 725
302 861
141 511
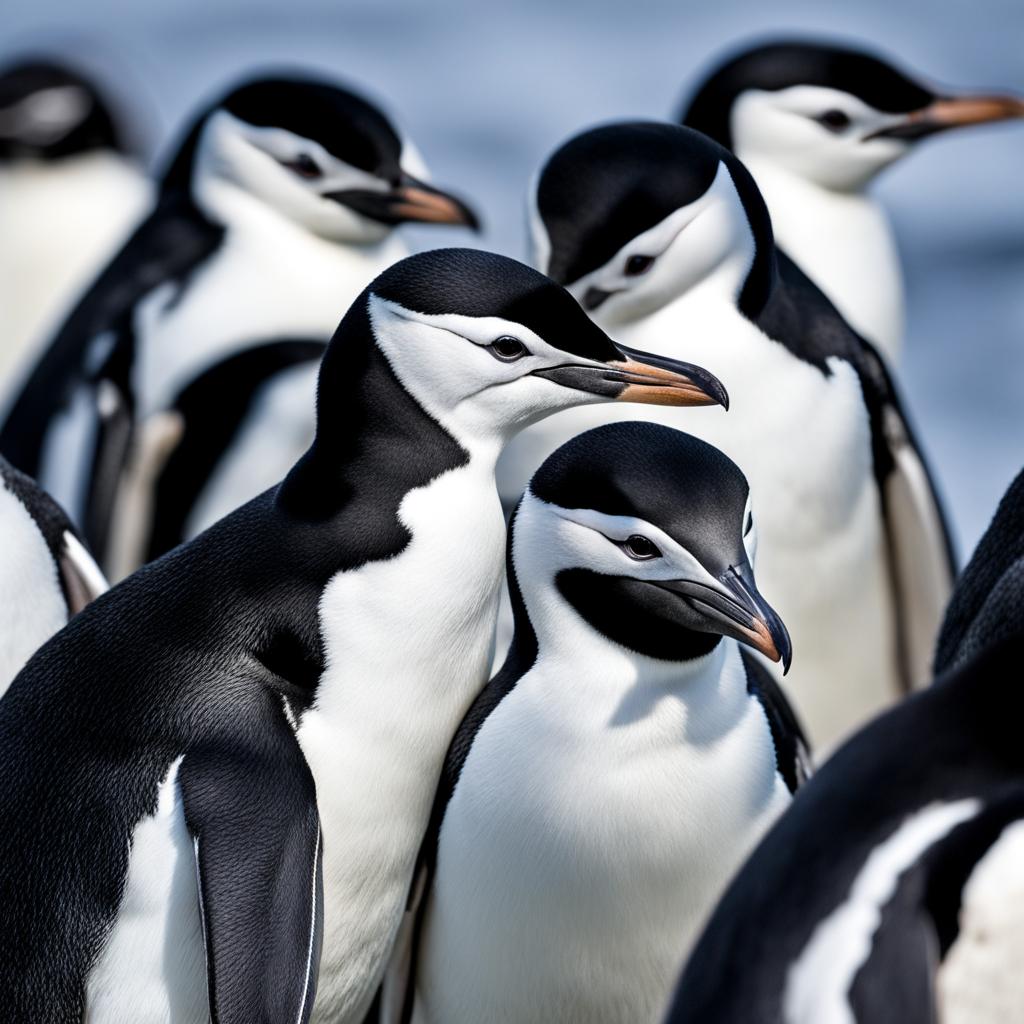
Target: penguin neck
370 428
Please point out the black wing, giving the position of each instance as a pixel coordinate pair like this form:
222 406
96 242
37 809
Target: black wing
167 247
987 602
250 807
212 409
922 565
792 751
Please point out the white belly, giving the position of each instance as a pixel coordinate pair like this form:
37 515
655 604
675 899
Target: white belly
59 225
581 852
980 981
32 606
803 443
845 244
408 645
152 968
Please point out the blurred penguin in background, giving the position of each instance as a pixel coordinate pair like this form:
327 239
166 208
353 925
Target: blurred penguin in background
71 189
183 383
816 123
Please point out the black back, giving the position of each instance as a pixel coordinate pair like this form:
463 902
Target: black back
989 595
959 739
779 65
96 129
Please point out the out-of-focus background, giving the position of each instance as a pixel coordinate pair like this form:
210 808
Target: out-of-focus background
488 91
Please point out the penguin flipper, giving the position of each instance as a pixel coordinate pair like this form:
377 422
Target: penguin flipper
920 551
792 749
250 807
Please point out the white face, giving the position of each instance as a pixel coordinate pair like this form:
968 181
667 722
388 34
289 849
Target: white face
816 133
549 538
292 174
474 374
669 259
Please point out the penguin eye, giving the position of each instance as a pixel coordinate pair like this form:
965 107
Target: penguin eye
640 548
749 524
508 349
304 166
637 265
834 120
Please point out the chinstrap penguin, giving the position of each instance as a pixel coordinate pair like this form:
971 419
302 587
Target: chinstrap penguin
891 891
46 574
71 190
607 781
264 712
662 235
182 384
815 123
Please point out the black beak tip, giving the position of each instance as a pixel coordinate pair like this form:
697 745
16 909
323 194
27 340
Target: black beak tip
783 644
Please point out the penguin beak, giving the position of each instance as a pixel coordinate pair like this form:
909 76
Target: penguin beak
735 608
642 377
953 112
408 200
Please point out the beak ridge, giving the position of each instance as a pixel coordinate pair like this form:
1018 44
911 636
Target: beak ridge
767 633
954 112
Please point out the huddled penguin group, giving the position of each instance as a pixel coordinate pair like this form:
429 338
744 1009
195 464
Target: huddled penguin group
303 764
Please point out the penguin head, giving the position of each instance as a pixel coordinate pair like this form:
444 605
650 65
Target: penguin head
48 112
631 216
648 535
320 154
831 114
487 345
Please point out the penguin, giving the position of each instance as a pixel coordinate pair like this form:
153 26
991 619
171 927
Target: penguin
891 891
71 189
615 771
46 574
663 237
815 123
214 782
275 212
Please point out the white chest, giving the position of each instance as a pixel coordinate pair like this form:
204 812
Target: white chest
408 646
845 244
269 281
585 842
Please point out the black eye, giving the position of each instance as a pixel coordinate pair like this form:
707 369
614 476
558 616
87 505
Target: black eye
508 349
640 548
638 265
749 524
304 166
834 120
